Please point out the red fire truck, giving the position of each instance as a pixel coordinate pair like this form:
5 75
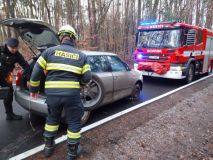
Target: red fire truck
173 50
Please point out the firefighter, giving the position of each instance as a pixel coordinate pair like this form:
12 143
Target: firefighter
9 55
66 69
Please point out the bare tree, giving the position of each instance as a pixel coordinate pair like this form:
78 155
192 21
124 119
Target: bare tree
107 25
48 11
139 11
154 10
209 16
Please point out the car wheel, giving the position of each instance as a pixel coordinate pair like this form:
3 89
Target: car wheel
136 91
35 118
85 117
190 75
93 93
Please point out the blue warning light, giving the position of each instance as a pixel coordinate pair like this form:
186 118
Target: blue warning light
139 56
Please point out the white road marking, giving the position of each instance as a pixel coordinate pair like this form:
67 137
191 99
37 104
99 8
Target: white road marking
98 123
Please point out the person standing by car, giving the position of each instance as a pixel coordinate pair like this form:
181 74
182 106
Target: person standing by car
9 55
66 68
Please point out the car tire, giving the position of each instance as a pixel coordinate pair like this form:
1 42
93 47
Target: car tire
136 91
85 117
93 93
35 118
190 74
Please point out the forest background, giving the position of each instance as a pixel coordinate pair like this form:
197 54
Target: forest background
107 25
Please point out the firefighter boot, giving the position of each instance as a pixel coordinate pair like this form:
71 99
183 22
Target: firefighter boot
74 150
12 116
49 146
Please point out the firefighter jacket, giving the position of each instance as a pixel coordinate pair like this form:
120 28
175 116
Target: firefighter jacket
8 61
66 68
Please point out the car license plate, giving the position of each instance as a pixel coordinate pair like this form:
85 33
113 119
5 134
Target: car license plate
154 57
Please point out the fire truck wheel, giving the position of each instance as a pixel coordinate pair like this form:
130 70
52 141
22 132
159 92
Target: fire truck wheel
190 73
208 72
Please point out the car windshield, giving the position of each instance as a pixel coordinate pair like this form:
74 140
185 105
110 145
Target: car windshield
159 39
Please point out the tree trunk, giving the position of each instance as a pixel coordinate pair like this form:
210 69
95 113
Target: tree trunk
209 18
154 10
93 23
48 11
139 11
56 13
6 4
126 27
70 13
197 22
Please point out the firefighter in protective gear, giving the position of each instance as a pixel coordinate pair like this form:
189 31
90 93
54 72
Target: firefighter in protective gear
9 56
66 68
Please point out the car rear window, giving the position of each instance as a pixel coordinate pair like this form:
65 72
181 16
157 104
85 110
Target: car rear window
41 40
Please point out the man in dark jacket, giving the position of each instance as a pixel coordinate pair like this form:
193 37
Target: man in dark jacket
9 55
66 68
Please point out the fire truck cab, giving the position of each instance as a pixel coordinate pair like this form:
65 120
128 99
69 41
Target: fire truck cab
173 50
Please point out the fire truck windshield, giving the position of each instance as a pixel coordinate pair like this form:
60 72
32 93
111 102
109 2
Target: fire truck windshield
159 38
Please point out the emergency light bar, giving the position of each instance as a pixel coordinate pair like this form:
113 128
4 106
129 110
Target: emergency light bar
144 23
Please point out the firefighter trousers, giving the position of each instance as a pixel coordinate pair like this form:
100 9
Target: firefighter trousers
9 100
73 109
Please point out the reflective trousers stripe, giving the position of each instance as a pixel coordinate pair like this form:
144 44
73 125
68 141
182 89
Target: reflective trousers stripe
42 62
51 128
73 135
34 83
64 67
62 84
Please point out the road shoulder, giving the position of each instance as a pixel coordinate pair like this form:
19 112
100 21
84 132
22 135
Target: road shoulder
179 126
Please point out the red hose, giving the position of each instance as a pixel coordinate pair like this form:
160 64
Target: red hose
154 67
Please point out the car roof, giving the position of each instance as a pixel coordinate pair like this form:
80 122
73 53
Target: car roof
97 53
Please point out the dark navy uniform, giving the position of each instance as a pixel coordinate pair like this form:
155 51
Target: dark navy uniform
66 69
7 64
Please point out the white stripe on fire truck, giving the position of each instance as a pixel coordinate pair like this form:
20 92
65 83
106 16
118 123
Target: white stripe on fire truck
196 53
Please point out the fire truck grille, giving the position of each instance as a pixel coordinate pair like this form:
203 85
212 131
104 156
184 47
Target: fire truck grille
155 56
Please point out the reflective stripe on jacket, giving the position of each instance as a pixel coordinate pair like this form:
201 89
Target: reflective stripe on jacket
66 68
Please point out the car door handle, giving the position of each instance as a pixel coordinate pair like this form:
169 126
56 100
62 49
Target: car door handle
115 77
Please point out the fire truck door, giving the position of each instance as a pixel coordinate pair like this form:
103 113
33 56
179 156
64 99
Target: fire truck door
208 54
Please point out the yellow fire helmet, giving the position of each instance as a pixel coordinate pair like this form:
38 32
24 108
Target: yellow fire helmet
67 30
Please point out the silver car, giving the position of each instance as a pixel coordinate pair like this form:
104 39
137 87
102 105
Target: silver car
112 79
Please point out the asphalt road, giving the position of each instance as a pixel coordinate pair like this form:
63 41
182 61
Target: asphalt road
19 136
